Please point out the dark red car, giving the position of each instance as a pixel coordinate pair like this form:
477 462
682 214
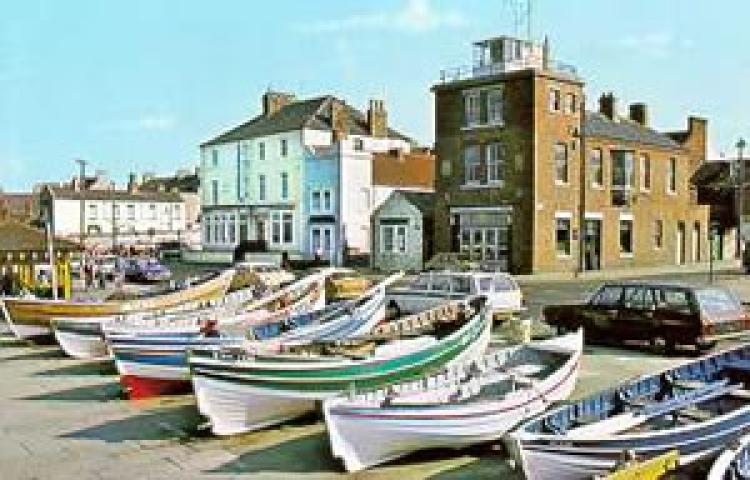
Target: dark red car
665 314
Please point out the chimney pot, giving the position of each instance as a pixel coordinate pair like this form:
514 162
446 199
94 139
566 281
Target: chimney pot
377 119
275 101
608 105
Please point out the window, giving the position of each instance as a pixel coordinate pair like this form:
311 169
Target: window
284 186
658 233
261 151
207 231
562 236
626 236
152 211
554 100
215 157
495 163
569 106
608 296
215 192
472 165
283 147
495 107
288 227
327 200
622 169
315 203
93 212
261 187
561 163
672 176
231 229
276 227
596 170
131 212
359 144
645 173
393 238
472 109
177 212
116 211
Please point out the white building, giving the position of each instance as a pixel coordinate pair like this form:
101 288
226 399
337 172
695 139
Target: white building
296 178
114 217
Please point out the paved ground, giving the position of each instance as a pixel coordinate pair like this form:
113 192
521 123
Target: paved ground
62 418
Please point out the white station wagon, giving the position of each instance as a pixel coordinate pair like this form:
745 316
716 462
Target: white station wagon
431 288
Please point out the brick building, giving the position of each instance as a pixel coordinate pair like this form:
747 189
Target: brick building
522 167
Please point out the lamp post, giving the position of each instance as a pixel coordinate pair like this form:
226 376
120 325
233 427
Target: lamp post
740 184
82 230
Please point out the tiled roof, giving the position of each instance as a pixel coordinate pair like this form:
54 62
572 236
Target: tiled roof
399 169
18 237
184 183
314 113
424 201
598 125
124 195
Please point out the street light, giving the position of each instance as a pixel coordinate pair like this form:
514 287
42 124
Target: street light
741 144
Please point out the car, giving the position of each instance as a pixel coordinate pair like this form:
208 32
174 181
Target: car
146 270
427 289
663 314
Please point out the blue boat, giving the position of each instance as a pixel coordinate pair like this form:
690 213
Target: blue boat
695 408
734 462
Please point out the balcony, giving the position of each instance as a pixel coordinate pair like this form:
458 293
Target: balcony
469 72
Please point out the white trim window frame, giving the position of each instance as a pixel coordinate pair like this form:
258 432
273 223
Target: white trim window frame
596 168
626 218
672 176
563 219
495 163
554 100
645 168
472 165
562 163
316 201
472 108
495 106
394 238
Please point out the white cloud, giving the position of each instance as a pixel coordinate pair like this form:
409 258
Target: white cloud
415 16
150 122
658 44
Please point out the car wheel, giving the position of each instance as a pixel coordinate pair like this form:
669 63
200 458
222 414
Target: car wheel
393 310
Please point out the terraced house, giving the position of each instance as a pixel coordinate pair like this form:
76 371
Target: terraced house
529 181
298 177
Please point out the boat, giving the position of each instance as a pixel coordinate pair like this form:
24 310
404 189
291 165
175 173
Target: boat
83 337
239 391
31 317
734 461
471 402
694 408
151 357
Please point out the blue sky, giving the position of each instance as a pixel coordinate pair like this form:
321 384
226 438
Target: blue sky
137 85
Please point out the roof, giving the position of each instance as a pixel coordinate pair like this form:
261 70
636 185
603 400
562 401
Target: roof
400 169
182 183
651 283
313 113
424 201
124 195
599 125
19 237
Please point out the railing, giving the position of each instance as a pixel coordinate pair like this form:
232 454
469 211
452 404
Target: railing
467 72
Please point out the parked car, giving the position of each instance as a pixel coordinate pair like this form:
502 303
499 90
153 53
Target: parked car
430 288
146 270
665 314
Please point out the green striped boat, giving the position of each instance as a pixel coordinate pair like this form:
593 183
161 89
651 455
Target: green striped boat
239 391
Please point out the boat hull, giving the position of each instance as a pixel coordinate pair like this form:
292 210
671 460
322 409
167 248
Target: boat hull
282 399
363 436
81 339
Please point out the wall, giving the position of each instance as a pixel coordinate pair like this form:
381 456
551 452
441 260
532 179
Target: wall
398 207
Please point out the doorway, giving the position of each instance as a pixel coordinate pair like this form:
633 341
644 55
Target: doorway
321 242
680 244
592 244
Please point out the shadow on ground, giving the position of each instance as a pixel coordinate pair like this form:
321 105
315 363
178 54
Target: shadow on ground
488 463
102 392
95 367
175 423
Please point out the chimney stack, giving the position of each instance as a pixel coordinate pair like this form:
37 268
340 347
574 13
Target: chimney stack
608 105
639 113
339 120
377 119
275 101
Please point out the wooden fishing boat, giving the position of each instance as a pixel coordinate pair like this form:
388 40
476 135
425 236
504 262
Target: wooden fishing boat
83 337
242 391
734 462
694 408
151 357
471 402
30 317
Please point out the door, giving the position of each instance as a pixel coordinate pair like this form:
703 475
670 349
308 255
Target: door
592 238
321 242
599 316
636 317
680 244
260 230
675 316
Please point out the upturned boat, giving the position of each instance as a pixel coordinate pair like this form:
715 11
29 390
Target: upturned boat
695 408
471 402
83 337
734 461
31 317
245 390
151 357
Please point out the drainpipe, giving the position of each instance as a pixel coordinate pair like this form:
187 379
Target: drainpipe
582 186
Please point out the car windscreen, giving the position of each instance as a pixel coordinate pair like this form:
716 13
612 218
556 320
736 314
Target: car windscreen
504 284
717 301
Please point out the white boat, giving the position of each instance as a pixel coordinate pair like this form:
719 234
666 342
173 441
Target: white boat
243 391
471 402
734 462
